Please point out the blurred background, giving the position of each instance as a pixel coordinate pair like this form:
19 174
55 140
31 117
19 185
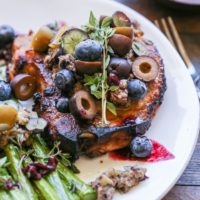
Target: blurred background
186 16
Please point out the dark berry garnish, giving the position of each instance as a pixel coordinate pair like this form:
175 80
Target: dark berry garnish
5 91
7 35
63 105
136 89
64 80
37 97
113 78
141 147
88 50
49 91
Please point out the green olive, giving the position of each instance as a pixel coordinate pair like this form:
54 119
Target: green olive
8 117
127 31
41 39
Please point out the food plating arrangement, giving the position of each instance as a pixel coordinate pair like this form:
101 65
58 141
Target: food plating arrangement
67 92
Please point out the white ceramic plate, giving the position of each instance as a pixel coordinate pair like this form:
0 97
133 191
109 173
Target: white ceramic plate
176 123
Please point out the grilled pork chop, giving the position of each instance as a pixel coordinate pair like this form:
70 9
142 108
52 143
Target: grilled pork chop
88 138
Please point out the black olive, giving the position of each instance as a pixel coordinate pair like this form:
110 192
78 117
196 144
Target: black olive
82 105
64 80
120 67
7 35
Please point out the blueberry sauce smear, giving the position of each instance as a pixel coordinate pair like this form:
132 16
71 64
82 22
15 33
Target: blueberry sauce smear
159 153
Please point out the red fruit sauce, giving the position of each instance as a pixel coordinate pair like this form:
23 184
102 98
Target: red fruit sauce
159 153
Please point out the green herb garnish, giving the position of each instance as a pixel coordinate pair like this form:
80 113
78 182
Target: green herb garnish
98 82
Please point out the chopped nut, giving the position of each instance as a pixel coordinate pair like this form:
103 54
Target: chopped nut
118 180
5 135
66 62
119 97
123 84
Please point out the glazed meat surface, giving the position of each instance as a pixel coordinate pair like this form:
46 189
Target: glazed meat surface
88 138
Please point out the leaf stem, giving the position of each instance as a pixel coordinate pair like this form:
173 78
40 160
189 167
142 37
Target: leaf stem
104 83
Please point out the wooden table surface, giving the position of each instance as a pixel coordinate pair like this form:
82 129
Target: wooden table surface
188 25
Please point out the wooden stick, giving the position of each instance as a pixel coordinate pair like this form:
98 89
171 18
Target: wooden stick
180 44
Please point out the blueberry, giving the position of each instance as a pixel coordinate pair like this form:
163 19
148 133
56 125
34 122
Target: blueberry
49 91
5 91
88 50
37 97
7 35
141 146
136 89
64 80
63 105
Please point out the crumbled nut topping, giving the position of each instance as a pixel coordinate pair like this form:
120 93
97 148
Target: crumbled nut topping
118 180
119 97
66 62
123 84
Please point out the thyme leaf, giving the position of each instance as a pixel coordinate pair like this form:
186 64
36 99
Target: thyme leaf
100 33
112 108
106 22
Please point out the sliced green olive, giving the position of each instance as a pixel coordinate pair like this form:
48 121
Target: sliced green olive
71 38
88 67
8 117
127 31
145 68
121 19
41 39
23 86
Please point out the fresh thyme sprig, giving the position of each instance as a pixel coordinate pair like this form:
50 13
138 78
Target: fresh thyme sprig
101 32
